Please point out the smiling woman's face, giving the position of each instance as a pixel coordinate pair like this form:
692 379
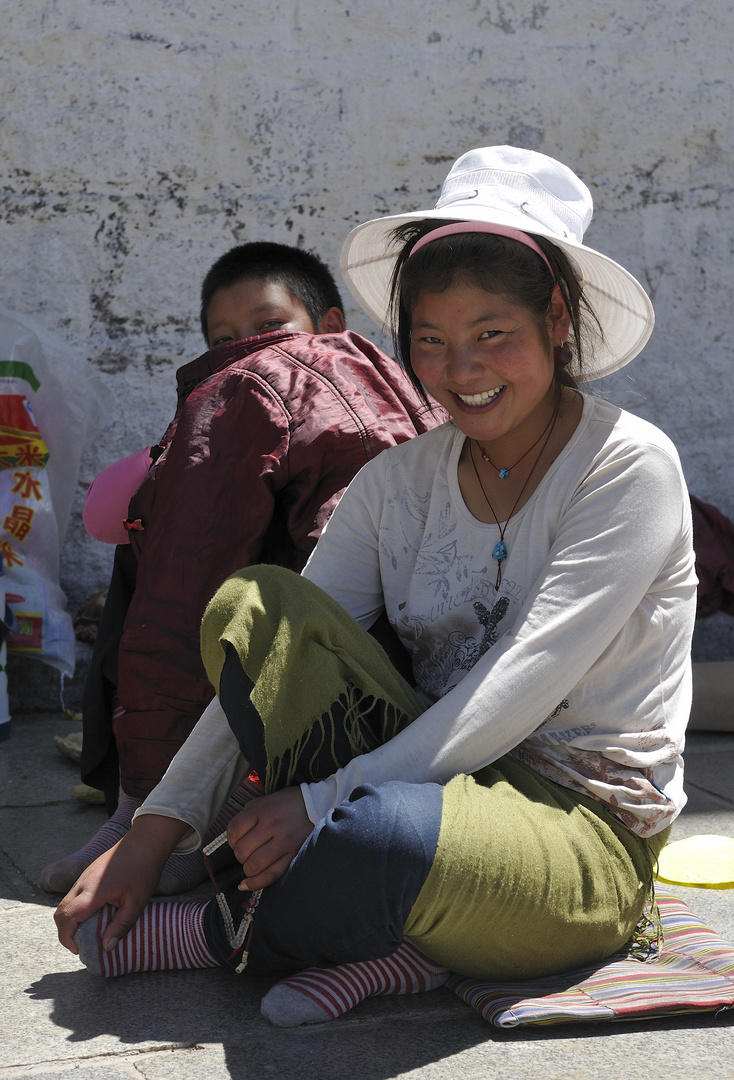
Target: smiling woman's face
486 360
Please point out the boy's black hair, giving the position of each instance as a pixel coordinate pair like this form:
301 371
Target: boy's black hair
302 273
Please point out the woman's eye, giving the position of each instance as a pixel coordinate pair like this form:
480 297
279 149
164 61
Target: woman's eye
428 340
487 335
271 324
221 340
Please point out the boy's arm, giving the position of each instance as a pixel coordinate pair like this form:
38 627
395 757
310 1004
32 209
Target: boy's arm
125 877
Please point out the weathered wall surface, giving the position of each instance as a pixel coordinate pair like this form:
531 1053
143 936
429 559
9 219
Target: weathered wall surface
140 140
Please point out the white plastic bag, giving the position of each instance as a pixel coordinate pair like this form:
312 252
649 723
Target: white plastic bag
51 402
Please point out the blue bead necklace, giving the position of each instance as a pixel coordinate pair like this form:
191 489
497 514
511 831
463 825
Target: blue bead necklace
500 548
504 473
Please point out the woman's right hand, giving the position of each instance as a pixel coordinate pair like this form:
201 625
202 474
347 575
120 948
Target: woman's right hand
125 877
267 835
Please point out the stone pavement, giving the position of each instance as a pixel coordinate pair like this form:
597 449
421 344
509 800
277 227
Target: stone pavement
56 1020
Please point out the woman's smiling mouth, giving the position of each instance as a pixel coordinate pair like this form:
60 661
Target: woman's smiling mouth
480 399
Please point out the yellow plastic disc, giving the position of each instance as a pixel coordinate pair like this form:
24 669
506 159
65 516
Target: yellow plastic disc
704 862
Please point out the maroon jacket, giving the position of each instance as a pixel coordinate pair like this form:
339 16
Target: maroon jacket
713 541
267 434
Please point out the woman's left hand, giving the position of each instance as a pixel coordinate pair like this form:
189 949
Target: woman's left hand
267 834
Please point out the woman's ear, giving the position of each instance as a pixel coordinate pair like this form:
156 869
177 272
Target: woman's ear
558 318
332 322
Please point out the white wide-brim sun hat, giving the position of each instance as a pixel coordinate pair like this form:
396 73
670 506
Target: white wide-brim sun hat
519 189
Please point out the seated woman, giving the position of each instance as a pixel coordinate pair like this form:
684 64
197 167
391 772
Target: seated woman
534 556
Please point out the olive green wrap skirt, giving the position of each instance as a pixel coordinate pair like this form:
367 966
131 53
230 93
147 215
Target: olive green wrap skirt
529 878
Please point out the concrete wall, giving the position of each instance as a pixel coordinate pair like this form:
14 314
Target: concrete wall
140 140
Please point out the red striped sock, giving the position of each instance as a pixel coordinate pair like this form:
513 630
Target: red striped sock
168 936
320 994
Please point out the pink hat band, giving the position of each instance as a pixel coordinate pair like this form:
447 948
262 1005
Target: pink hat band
483 227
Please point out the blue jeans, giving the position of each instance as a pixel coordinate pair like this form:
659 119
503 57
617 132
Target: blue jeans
348 892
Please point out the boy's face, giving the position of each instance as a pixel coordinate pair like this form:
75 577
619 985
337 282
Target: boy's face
252 307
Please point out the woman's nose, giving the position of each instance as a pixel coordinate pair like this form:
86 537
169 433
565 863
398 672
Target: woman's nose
463 365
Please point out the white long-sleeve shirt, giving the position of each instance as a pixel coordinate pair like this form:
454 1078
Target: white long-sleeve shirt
579 664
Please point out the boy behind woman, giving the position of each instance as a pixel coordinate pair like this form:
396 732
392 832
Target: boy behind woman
271 425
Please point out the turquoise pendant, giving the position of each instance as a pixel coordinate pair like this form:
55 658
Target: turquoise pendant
500 551
504 473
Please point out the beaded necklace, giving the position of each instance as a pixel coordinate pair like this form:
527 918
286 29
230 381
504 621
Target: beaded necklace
500 549
242 936
504 473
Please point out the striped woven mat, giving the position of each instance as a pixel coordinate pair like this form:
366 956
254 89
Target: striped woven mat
692 971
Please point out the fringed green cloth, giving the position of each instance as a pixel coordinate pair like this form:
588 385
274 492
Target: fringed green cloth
528 878
305 656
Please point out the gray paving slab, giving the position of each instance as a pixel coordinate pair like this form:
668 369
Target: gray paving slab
58 1020
39 821
709 764
31 768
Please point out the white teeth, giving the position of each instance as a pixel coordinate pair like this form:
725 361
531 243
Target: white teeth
480 399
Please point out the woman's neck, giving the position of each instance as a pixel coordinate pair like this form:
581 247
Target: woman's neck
499 482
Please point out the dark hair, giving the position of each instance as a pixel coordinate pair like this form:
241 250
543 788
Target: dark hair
302 273
498 265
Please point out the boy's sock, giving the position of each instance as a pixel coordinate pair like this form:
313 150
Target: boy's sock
320 994
181 872
168 936
61 875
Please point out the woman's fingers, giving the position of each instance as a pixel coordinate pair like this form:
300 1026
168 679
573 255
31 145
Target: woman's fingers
269 872
267 834
67 923
124 877
86 896
122 922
